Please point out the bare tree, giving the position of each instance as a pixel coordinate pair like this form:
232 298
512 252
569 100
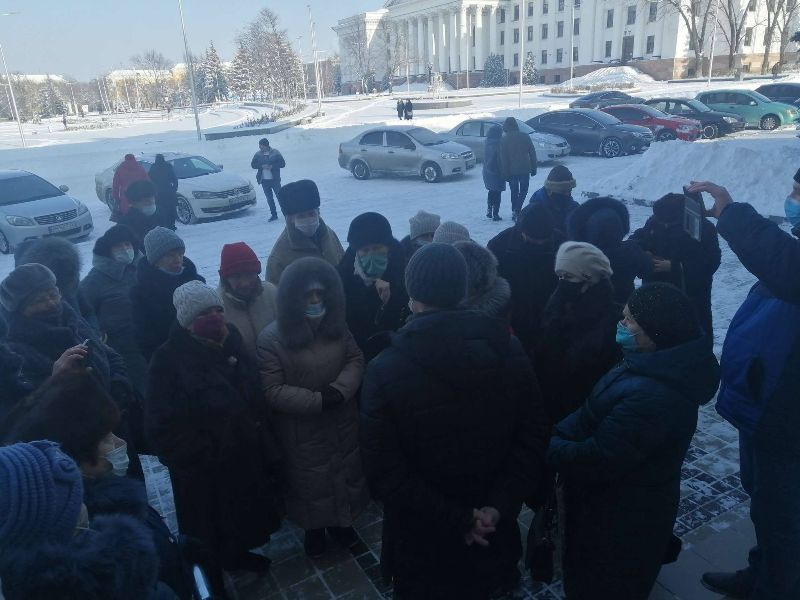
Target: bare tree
359 54
774 10
732 23
786 22
394 43
155 68
697 17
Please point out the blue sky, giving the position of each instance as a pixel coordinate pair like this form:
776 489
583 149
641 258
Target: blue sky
82 38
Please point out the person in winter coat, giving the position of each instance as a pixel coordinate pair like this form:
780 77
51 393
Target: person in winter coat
525 255
400 108
207 424
577 345
486 292
128 171
422 226
451 232
408 110
493 178
166 182
604 222
163 270
268 163
311 370
107 289
517 162
62 258
73 410
621 453
372 275
758 395
248 301
142 216
306 234
556 197
678 258
451 480
48 546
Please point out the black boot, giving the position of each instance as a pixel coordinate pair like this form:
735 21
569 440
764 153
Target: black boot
496 213
314 543
274 217
733 585
489 212
344 536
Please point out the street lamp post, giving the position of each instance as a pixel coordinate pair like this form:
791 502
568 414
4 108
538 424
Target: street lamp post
11 88
572 46
190 70
713 43
522 33
316 60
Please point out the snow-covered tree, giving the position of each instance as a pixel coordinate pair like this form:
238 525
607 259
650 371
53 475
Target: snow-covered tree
530 75
241 74
494 73
51 102
212 75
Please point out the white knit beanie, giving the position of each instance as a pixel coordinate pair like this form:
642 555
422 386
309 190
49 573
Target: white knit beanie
450 232
191 299
584 261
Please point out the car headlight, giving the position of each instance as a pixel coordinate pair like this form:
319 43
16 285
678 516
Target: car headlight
202 195
450 156
636 134
20 221
730 119
81 207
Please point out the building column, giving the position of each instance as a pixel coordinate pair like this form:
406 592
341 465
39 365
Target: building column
454 41
465 40
494 41
441 34
420 46
433 48
480 55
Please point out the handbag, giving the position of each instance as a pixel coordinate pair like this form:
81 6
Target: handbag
545 538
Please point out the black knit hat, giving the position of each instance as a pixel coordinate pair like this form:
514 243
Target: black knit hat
298 196
559 173
113 236
139 190
437 276
666 314
369 228
670 208
536 222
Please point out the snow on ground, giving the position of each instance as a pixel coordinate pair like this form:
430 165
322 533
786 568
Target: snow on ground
611 76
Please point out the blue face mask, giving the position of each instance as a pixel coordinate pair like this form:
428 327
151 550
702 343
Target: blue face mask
315 311
792 209
148 210
625 338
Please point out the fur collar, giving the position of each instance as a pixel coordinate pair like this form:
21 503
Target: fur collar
494 302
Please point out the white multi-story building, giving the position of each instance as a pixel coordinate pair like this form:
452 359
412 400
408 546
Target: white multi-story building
454 37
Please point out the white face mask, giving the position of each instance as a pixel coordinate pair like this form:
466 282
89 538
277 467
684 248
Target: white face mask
148 210
307 226
125 256
119 460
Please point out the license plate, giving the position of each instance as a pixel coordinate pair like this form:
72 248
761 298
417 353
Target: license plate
61 227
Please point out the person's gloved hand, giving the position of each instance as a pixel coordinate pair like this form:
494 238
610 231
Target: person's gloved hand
331 398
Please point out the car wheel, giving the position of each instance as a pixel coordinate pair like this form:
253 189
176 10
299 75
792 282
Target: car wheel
666 136
360 170
109 199
710 131
185 211
431 172
5 247
611 147
769 122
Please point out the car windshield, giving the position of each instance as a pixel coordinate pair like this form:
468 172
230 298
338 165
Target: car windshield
192 166
698 106
426 137
604 118
760 97
26 188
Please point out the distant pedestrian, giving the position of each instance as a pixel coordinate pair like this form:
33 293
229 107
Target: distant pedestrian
64 121
408 110
163 177
401 107
556 197
128 171
493 178
142 216
268 163
517 161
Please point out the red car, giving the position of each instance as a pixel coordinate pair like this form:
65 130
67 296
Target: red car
664 127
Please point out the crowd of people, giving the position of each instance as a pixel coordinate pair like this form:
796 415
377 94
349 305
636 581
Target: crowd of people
448 381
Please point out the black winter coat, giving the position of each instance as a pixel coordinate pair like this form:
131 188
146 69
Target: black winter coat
450 421
141 224
621 455
163 177
530 271
578 346
693 263
153 310
205 418
366 315
14 385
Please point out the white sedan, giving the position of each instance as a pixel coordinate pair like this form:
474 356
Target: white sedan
472 133
204 191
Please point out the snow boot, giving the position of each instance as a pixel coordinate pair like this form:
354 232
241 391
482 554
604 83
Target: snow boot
489 212
273 217
732 585
496 214
315 543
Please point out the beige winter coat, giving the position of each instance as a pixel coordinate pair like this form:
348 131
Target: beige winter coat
292 244
250 317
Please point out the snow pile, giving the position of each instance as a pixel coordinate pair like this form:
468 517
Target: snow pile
610 76
757 170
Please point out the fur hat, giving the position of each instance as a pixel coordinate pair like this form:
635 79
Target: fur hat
113 236
602 221
485 290
666 314
57 254
160 241
584 261
191 299
238 258
369 228
437 275
450 232
298 196
22 283
423 223
560 181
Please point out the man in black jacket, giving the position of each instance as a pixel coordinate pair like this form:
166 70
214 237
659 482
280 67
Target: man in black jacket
268 163
453 437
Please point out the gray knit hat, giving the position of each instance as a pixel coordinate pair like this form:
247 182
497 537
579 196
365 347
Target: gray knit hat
450 232
583 260
191 299
423 223
160 241
437 275
23 282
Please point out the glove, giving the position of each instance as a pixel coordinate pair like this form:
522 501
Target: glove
331 398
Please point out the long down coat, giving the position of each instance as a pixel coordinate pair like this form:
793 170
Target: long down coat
323 473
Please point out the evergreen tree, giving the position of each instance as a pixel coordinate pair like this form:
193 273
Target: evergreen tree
51 102
494 73
530 76
215 87
241 74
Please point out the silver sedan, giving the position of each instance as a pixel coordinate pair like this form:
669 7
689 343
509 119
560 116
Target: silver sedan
404 151
472 133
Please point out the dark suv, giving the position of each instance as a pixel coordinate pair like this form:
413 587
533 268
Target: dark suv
603 99
714 123
788 93
594 131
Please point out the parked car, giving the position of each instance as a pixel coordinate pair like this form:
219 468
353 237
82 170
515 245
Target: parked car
788 93
472 133
603 99
589 130
404 151
204 191
713 122
756 109
664 127
31 207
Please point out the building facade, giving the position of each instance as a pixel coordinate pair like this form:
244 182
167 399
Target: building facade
455 37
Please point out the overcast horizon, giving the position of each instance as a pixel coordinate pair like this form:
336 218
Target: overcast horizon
83 38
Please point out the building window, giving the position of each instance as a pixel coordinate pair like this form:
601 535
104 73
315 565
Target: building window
748 36
560 29
530 33
577 3
502 15
472 36
746 68
530 9
516 12
542 79
631 15
560 5
576 27
608 49
559 55
502 38
516 35
574 54
752 6
653 12
556 78
516 59
544 58
544 31
609 18
545 7
651 44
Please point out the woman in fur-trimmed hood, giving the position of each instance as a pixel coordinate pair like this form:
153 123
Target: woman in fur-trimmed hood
486 292
311 370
